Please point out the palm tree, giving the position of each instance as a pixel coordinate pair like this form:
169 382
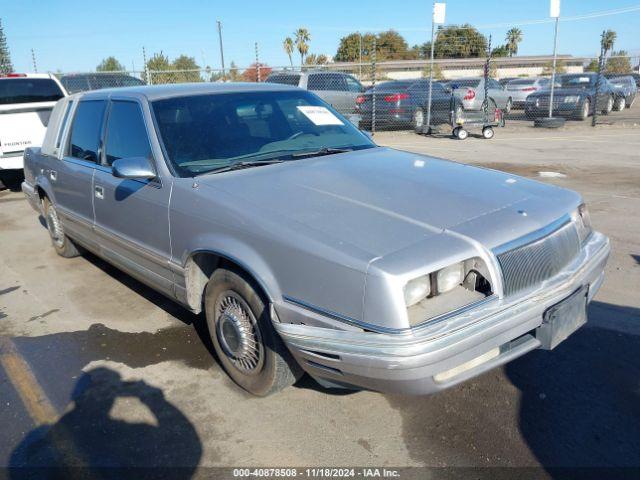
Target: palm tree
302 42
608 39
288 48
514 37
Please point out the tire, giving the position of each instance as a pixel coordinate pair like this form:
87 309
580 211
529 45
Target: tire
546 122
488 133
620 105
460 133
508 107
585 111
62 244
630 104
248 347
609 107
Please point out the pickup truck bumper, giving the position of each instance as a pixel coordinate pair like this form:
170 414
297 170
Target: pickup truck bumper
428 360
12 161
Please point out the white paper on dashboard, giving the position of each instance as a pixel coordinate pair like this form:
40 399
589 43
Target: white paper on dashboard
320 115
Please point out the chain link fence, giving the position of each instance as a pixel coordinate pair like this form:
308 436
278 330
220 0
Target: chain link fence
395 94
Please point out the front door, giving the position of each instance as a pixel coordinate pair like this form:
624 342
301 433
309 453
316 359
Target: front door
131 215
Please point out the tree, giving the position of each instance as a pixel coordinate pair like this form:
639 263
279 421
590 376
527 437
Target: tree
189 70
561 67
592 66
462 41
619 62
349 48
234 76
251 73
500 51
437 72
288 46
391 46
513 38
5 57
608 39
110 64
303 37
156 65
313 59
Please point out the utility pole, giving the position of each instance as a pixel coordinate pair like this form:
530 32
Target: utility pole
373 88
33 59
360 56
224 76
258 63
437 17
555 12
146 70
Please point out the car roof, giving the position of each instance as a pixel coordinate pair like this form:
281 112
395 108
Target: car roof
156 92
26 75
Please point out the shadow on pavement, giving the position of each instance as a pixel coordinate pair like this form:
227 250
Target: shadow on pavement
89 440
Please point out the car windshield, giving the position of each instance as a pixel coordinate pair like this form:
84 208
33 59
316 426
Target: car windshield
29 90
577 81
292 79
204 133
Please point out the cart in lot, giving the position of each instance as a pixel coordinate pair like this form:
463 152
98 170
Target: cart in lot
486 120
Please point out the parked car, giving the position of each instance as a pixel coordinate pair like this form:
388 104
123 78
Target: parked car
575 97
471 92
338 89
26 101
81 82
635 75
625 89
308 247
504 81
403 104
519 89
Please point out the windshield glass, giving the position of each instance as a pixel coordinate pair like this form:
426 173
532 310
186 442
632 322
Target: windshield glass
29 90
577 81
203 133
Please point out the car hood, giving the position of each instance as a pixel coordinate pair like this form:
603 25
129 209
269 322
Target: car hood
381 200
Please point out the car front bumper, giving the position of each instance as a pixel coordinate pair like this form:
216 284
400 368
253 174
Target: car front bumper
436 357
560 109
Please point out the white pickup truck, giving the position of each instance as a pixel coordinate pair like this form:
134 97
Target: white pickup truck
26 101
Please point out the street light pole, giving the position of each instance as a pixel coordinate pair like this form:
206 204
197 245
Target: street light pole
553 71
221 49
437 17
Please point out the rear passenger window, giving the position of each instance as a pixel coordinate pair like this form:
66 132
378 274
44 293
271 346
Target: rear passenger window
326 81
63 124
85 131
126 133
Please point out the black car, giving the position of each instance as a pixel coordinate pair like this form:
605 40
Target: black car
81 82
574 97
626 89
636 77
403 104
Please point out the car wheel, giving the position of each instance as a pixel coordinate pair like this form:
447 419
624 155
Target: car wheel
508 106
248 347
630 104
488 133
609 107
418 120
586 110
460 133
621 103
63 245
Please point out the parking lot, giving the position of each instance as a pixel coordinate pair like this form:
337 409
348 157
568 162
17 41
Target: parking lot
98 368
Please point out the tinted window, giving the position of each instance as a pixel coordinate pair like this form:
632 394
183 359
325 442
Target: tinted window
578 81
292 79
75 84
29 90
126 133
353 85
524 81
325 81
424 87
63 124
466 82
106 80
494 84
85 131
206 132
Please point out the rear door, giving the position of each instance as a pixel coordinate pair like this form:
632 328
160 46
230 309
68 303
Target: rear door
71 179
131 215
498 93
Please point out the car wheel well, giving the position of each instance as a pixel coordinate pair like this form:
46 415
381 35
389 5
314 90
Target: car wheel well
199 269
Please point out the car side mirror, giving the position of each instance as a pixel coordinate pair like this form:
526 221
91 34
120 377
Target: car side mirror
133 167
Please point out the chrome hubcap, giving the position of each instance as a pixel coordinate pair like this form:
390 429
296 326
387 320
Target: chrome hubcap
419 118
238 334
54 227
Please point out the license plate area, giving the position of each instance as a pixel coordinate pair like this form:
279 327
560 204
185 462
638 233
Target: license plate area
563 318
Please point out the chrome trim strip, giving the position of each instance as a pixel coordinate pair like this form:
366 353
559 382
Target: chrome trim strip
533 236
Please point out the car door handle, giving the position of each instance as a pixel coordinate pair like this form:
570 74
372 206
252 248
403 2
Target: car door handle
99 192
53 175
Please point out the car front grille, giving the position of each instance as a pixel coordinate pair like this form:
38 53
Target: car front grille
533 262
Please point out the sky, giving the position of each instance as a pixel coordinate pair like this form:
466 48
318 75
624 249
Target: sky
75 35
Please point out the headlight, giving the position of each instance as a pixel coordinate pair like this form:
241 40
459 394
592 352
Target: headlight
447 289
417 290
572 99
582 221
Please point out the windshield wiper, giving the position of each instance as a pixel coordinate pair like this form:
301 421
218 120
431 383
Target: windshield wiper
320 152
242 165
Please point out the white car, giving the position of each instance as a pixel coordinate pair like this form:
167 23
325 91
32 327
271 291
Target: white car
26 101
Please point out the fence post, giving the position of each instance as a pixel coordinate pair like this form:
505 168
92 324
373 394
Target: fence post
373 88
594 119
487 66
258 64
553 69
